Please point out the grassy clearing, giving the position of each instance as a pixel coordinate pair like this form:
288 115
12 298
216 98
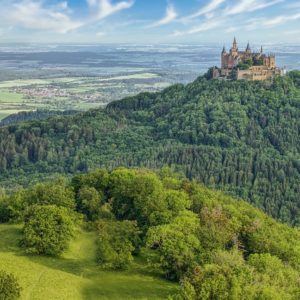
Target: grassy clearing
20 83
76 275
9 97
132 76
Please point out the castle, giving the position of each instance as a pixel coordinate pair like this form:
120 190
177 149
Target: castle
246 65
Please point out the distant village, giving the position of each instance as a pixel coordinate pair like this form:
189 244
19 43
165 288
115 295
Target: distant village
246 65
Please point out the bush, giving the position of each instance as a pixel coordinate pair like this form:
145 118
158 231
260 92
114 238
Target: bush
9 287
47 230
89 202
176 244
116 243
51 193
12 208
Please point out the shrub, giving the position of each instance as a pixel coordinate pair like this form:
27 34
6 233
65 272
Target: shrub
47 230
51 193
116 243
89 202
9 287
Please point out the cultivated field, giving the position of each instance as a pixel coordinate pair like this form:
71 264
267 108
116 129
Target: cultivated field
73 93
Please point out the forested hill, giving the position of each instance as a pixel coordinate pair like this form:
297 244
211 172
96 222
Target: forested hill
238 136
33 115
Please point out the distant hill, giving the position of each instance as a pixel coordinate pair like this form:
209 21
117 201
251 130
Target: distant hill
33 115
241 137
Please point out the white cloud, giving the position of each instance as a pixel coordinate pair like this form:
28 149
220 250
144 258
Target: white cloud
232 29
271 22
32 15
37 15
105 8
170 16
244 6
200 28
206 10
100 34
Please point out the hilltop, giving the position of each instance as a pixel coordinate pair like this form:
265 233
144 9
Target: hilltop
241 137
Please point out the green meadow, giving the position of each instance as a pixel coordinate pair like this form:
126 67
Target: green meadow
75 275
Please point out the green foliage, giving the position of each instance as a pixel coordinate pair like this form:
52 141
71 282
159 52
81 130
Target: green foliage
215 246
57 192
239 136
12 208
229 277
9 287
176 244
116 243
89 202
140 195
258 62
47 230
52 193
248 63
295 75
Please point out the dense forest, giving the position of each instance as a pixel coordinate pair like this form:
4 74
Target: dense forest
241 137
215 246
33 115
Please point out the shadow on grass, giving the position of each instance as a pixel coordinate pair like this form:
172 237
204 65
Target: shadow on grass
139 282
10 237
119 286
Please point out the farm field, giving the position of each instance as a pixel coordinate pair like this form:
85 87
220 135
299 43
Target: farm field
72 93
76 275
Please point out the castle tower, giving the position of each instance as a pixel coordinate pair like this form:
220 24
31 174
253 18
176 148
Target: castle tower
248 49
223 57
234 50
272 61
234 45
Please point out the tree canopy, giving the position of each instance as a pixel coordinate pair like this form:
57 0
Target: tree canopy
215 246
238 136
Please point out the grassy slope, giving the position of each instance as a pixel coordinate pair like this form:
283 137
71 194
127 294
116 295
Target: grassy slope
76 276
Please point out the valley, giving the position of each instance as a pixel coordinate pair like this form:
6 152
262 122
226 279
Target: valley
82 77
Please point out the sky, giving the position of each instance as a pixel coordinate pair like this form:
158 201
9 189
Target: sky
149 21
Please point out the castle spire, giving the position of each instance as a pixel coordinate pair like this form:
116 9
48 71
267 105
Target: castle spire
234 43
261 50
224 50
248 49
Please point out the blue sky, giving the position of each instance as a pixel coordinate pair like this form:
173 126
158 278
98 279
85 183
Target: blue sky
149 21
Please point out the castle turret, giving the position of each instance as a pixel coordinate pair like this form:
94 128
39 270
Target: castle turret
234 49
248 49
234 45
223 57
